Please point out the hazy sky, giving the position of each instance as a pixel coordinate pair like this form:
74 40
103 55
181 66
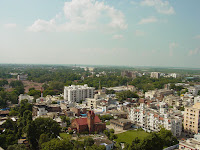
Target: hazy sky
108 32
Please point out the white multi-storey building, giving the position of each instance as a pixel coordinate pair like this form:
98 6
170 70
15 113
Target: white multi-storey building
155 75
197 99
76 93
154 119
194 90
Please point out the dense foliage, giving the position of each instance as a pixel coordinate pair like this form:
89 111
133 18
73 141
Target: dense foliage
12 96
42 126
11 130
146 83
124 95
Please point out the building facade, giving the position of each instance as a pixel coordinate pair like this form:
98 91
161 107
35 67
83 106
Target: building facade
189 144
76 93
90 124
155 75
25 96
192 119
154 119
22 77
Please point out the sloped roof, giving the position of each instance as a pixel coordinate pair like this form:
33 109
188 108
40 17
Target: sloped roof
83 121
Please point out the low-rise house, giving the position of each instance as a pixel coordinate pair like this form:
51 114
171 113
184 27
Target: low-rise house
22 77
118 114
122 124
172 100
39 110
78 111
59 120
25 96
103 141
122 88
24 141
4 113
54 108
158 94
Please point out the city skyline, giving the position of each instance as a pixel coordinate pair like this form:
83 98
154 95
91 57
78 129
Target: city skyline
119 32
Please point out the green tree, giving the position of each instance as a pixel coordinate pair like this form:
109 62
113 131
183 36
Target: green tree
3 82
126 94
167 138
42 126
17 147
43 138
88 141
56 144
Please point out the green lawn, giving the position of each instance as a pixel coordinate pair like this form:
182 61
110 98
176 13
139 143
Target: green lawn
128 136
65 135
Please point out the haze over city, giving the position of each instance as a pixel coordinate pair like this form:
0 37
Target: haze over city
119 32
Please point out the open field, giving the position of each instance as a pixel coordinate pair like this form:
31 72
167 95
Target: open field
128 136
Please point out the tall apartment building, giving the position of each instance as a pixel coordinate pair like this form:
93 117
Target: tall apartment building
153 119
155 75
76 93
192 119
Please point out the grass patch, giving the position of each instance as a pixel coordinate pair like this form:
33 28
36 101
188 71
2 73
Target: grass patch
128 136
65 136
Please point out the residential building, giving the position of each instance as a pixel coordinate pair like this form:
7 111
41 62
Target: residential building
123 88
155 75
197 99
25 96
174 75
39 110
103 141
150 94
151 119
78 111
192 119
122 124
159 94
172 100
22 77
189 144
76 93
193 90
93 103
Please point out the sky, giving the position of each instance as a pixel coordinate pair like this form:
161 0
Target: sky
164 33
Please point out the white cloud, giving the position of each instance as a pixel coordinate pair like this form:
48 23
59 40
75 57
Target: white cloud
161 6
197 37
148 20
139 33
118 36
80 15
194 52
10 25
172 46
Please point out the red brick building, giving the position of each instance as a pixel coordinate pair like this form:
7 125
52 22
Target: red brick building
91 124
